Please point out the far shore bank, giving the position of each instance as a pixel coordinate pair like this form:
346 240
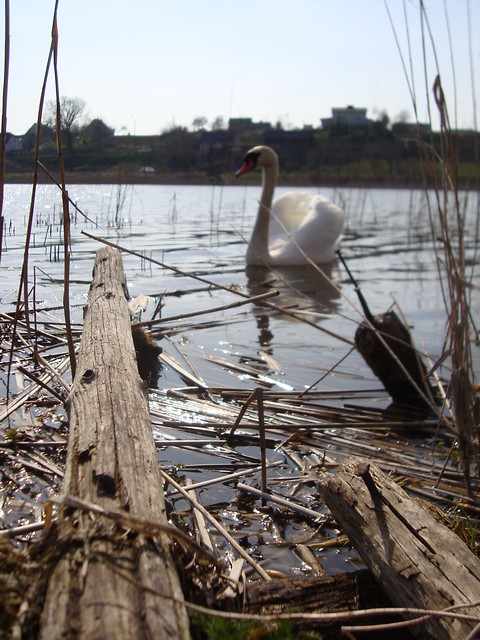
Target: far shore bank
198 179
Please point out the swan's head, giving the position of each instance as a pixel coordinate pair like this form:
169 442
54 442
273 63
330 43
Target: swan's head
257 158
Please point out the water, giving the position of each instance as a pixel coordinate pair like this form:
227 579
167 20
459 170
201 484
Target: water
203 231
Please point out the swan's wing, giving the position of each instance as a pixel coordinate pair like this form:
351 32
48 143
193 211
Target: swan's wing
290 209
325 220
318 228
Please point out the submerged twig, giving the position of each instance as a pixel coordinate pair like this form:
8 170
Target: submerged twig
217 525
309 513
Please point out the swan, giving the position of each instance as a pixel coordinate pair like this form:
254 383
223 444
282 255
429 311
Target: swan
314 223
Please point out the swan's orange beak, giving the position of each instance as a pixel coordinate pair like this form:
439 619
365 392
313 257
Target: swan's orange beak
248 165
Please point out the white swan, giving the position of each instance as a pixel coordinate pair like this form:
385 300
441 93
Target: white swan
314 223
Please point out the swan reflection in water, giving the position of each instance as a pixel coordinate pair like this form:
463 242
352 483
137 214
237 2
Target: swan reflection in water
305 291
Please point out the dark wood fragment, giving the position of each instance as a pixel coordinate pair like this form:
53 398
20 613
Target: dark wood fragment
387 369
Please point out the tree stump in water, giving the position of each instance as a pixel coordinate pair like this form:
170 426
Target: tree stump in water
417 561
386 367
111 581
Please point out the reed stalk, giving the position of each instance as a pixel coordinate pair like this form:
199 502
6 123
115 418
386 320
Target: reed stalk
440 171
23 283
4 118
458 339
65 200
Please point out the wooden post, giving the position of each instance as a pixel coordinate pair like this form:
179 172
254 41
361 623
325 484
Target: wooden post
418 561
108 581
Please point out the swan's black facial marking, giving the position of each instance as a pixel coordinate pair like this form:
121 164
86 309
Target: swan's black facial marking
249 162
252 156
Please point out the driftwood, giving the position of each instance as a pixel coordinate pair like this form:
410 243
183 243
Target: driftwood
387 347
418 561
111 580
323 594
396 378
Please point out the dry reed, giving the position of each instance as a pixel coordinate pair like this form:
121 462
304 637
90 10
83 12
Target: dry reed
306 428
440 170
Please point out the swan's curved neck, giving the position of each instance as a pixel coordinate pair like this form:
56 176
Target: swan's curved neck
270 175
257 252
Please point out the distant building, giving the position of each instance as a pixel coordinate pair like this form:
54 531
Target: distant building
290 137
216 140
246 124
347 116
13 143
410 128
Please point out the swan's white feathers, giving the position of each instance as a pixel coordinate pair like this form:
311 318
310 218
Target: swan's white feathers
314 223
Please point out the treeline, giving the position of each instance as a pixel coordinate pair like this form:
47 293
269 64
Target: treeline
370 155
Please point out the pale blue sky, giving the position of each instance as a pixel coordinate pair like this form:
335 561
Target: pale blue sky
143 65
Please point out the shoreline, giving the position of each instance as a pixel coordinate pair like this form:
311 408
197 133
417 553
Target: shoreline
195 179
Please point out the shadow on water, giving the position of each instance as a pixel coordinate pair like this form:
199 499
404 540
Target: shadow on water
306 290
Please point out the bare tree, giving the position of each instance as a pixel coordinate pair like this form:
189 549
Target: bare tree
71 112
402 117
199 123
218 124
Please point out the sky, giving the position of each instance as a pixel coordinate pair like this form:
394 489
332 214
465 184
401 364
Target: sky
144 66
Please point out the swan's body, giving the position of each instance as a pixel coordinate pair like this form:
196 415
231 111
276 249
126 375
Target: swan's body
299 218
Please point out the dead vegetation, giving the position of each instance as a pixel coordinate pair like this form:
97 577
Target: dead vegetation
263 452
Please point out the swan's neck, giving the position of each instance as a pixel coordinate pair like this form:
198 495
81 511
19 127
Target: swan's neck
257 252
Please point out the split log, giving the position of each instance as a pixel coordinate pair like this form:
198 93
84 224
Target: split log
111 581
418 561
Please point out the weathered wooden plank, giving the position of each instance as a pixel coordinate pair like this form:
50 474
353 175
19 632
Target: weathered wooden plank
109 582
418 561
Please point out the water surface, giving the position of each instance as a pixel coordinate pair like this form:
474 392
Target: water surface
202 231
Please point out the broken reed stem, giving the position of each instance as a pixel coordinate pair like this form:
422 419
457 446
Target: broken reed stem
200 312
267 496
261 431
37 380
242 412
23 283
217 526
66 212
462 384
22 530
199 519
227 478
64 192
343 615
4 118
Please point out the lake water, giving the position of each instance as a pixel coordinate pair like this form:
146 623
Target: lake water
203 231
